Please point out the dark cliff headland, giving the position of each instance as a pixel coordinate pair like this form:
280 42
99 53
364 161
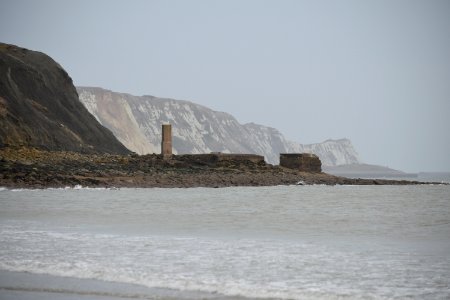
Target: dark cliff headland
49 139
39 107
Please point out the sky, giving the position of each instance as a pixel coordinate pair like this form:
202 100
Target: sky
375 72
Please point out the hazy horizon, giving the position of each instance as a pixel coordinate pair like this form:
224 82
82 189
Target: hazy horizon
376 72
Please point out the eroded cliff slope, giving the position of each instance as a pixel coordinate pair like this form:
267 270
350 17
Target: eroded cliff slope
39 107
136 122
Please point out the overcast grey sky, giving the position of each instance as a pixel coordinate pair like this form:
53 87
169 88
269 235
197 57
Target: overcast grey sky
376 72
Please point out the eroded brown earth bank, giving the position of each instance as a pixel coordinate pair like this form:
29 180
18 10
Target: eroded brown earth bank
32 168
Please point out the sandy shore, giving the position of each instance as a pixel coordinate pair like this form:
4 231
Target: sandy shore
28 286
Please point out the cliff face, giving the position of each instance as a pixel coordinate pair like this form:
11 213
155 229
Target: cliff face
331 152
136 122
39 107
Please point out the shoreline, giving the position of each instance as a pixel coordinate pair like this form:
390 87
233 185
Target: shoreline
33 168
26 285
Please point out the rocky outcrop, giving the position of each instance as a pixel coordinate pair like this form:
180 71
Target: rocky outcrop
39 107
32 168
136 122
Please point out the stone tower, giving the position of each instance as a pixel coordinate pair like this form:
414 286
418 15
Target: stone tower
166 143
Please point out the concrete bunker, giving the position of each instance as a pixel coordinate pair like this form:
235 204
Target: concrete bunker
217 159
305 162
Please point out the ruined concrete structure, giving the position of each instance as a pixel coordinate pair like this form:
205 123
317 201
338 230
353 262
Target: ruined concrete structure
212 158
305 162
222 159
166 143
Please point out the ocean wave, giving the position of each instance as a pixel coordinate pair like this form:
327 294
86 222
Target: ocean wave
249 268
76 187
280 242
177 289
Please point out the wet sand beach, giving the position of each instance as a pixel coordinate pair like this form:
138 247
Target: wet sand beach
29 286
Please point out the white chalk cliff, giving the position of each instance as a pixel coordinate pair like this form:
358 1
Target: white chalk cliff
136 122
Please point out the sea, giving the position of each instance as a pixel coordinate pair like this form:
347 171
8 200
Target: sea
282 242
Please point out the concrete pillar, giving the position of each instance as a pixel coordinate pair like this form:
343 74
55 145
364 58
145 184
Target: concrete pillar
166 143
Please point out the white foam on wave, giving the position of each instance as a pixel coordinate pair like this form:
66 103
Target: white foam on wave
80 187
172 271
23 190
239 288
239 267
77 187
